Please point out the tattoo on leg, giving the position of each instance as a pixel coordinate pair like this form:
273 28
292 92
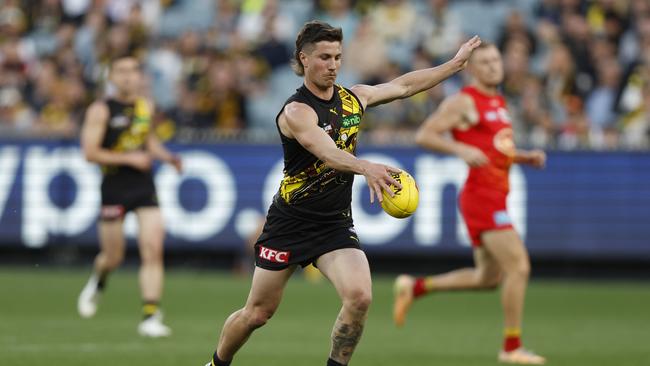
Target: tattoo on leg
345 337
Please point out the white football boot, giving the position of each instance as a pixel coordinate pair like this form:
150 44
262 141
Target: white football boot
521 356
89 298
153 327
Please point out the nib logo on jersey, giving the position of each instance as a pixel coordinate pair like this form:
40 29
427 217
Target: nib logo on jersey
273 255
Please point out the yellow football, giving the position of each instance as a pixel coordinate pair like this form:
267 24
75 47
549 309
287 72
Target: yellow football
405 201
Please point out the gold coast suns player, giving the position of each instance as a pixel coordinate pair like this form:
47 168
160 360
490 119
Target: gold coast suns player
482 136
310 219
117 135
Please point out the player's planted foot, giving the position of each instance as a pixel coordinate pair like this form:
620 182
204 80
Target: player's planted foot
89 298
521 356
403 291
153 327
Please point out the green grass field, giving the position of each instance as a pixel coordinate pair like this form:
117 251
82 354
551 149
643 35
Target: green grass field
572 323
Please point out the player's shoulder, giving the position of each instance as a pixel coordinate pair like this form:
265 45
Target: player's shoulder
98 108
299 111
362 92
458 102
98 104
296 116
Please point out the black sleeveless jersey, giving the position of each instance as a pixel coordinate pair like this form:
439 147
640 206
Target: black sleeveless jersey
309 190
127 130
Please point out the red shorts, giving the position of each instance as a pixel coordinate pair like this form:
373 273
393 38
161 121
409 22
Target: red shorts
483 210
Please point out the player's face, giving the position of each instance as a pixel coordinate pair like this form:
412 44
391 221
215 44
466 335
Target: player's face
486 66
125 75
322 63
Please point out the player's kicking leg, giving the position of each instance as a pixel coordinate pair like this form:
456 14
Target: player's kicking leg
349 271
111 241
151 242
263 300
509 251
485 275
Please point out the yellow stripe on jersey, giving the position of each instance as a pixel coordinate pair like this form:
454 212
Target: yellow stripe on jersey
136 136
291 186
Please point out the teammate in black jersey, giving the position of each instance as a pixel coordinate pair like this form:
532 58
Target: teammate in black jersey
309 220
117 135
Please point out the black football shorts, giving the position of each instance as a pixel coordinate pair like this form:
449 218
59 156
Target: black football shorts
287 240
126 192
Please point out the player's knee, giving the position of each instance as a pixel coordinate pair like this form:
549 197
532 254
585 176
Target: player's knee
112 260
521 269
359 300
258 316
524 269
152 252
490 281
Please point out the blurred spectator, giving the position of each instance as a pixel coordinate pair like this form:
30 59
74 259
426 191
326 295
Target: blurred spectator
56 117
576 71
577 38
606 18
630 47
13 20
515 28
439 30
262 18
270 48
635 127
633 100
365 53
560 82
516 80
74 10
533 114
15 116
394 21
601 102
339 14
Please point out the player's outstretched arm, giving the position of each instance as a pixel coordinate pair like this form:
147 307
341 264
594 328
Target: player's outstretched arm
535 158
299 121
457 111
92 133
416 81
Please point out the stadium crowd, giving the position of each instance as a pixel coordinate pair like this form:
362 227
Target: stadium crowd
577 71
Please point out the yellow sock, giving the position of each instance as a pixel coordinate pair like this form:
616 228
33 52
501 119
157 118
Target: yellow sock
429 285
149 308
512 332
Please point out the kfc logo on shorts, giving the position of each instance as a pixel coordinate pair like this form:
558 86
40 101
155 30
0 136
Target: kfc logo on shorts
274 255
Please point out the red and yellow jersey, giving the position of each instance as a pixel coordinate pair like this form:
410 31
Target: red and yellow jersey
492 133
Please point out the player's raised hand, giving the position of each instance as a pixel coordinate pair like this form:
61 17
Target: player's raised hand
177 163
465 51
537 158
378 177
473 156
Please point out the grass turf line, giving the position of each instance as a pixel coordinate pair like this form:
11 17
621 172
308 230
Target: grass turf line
571 323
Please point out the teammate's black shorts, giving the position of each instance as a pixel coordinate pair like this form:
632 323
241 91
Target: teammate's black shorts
122 193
